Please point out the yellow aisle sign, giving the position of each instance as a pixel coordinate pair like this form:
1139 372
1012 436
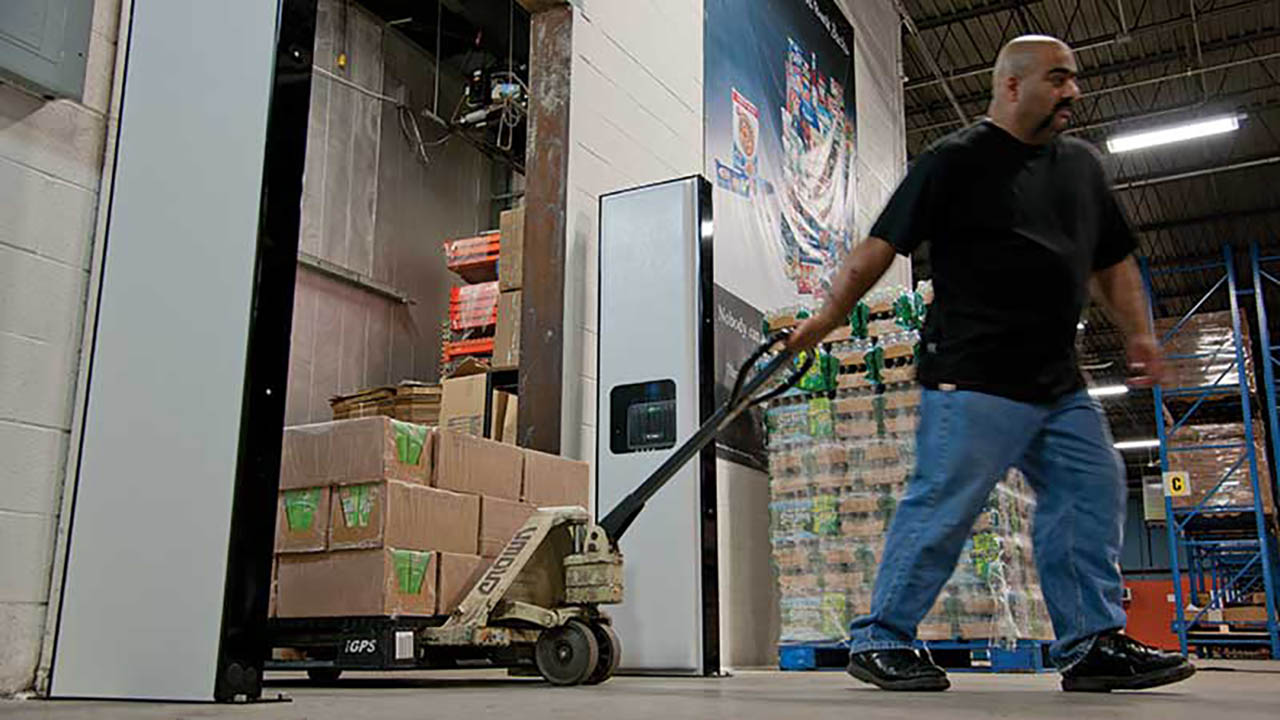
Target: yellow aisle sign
1177 484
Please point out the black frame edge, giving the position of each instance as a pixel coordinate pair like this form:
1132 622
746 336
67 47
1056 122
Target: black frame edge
708 496
242 646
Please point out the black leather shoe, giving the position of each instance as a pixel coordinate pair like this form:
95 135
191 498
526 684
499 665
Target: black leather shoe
1118 662
897 670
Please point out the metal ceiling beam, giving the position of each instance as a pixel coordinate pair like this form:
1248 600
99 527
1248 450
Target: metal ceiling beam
1144 181
1219 101
1192 72
1184 74
939 21
1127 65
1206 219
929 59
1100 41
1252 108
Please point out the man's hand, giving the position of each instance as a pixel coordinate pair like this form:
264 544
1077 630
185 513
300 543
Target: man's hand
1146 362
862 267
809 333
1119 289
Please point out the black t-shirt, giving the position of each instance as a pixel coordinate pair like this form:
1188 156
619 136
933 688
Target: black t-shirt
1015 232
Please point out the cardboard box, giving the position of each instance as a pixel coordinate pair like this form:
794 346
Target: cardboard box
456 574
506 338
511 249
403 515
510 424
385 581
271 597
302 520
551 481
499 520
354 451
462 399
502 418
1246 613
473 465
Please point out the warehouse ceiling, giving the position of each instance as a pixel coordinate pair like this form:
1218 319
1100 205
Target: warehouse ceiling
1143 64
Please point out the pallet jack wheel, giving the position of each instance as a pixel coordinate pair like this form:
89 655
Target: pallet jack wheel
324 675
567 655
610 653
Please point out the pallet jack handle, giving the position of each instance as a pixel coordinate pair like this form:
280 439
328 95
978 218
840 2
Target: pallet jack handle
740 399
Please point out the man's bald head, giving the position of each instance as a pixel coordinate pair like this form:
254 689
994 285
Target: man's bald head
1023 55
1033 87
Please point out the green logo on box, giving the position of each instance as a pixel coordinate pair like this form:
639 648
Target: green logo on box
410 439
357 505
411 567
300 508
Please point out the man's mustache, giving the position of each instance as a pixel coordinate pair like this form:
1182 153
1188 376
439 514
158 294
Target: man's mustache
1062 104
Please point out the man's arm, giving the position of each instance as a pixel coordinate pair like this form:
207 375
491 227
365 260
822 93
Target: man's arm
1119 289
861 269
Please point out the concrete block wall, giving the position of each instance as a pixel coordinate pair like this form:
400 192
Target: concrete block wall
882 140
636 117
51 165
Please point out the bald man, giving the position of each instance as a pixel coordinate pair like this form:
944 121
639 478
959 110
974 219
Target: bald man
1022 224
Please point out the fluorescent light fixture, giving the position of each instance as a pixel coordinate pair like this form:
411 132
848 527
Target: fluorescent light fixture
1137 444
1109 390
1172 134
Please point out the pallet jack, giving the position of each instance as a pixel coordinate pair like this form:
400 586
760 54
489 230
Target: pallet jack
538 605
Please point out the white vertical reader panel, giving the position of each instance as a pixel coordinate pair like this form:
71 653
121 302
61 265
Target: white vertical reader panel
143 598
649 310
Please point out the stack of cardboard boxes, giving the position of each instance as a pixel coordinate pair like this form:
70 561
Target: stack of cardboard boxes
380 517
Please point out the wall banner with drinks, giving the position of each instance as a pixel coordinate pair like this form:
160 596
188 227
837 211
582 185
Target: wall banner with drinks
779 146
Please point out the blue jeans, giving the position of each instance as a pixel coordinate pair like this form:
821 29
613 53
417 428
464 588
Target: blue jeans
965 443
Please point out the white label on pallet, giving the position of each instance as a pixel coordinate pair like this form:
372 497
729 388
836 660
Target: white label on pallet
1177 484
404 645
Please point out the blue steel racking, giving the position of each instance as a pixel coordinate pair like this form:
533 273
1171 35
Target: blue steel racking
1229 551
1262 279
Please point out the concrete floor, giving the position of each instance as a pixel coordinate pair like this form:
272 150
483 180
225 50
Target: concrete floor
1235 690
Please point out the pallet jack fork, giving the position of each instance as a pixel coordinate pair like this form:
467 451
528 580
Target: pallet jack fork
539 603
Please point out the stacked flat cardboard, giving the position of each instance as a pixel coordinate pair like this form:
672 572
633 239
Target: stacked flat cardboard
369 402
410 401
418 403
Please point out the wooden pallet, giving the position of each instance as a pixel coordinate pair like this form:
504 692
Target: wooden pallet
1023 656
